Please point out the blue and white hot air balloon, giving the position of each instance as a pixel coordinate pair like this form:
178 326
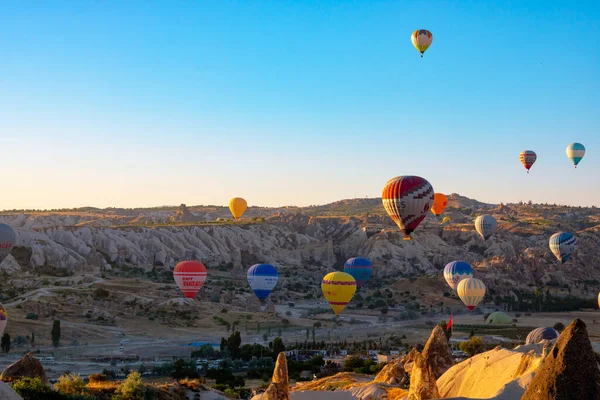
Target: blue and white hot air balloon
575 152
456 271
563 245
262 279
539 334
360 268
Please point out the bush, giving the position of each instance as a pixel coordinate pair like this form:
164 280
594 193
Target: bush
101 293
133 389
70 384
559 326
472 347
95 378
34 389
31 315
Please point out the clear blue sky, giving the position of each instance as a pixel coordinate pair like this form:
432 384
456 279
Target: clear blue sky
143 103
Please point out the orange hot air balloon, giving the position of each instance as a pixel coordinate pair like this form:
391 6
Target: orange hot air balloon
440 201
237 206
190 277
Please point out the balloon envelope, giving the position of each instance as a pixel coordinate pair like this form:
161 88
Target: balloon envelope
237 206
446 219
539 334
527 158
407 199
456 271
486 226
498 318
338 289
189 276
421 39
575 152
471 292
440 201
563 245
3 319
360 268
8 238
262 279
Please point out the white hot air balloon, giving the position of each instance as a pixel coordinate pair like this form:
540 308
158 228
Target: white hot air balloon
486 226
471 292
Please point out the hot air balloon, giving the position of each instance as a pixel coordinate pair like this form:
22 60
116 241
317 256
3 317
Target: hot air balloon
338 289
8 238
456 271
563 245
421 39
446 219
486 226
262 279
575 152
407 199
539 334
598 300
440 201
3 319
190 276
498 318
527 158
360 268
471 292
237 206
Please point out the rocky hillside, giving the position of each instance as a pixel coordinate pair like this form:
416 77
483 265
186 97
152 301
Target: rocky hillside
306 243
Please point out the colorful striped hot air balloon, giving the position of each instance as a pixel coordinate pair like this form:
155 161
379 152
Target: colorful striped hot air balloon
8 238
190 276
338 289
575 152
471 291
262 279
237 206
407 199
527 158
456 271
3 319
360 268
486 226
563 245
421 39
539 334
440 202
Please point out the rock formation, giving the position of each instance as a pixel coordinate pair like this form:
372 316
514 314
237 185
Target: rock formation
423 384
570 371
437 353
183 214
279 389
393 374
26 367
7 393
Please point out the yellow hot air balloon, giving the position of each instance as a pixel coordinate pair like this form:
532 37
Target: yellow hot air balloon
237 206
446 219
440 201
421 39
338 289
471 291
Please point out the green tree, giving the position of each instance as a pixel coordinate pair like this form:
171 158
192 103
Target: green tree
472 347
233 343
56 333
444 326
559 326
278 347
133 389
5 343
71 384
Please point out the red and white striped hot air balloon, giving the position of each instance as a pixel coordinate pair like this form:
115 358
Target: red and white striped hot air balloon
527 158
189 276
407 199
